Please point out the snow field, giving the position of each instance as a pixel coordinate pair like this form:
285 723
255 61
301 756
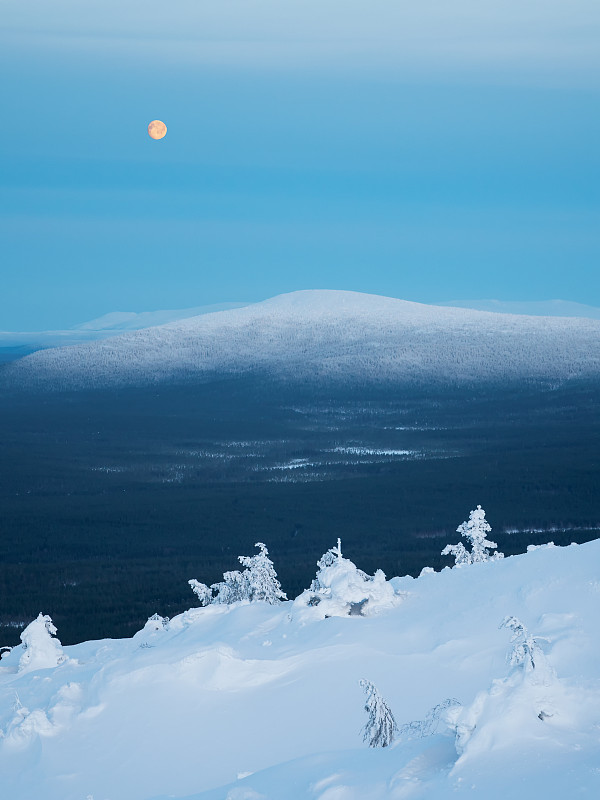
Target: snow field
260 702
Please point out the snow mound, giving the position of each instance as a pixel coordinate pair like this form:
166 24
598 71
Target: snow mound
341 589
491 671
327 335
41 650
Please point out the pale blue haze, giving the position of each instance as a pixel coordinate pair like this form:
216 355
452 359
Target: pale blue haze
426 152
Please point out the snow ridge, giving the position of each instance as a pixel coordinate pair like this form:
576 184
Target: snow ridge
260 702
328 335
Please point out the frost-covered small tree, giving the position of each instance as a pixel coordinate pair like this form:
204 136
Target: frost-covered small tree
256 582
526 651
475 530
260 577
232 589
331 556
460 553
328 559
380 728
202 592
41 650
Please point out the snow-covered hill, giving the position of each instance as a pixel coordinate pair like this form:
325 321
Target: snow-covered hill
260 702
319 335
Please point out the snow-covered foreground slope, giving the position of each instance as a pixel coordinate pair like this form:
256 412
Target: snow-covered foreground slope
255 701
328 335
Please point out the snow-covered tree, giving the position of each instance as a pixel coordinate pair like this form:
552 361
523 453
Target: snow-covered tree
380 728
328 559
256 582
41 649
526 651
475 530
332 555
460 553
260 577
202 592
232 589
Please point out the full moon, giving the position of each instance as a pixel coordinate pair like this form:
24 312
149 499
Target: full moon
157 129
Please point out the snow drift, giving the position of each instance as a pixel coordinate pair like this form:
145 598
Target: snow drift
254 701
328 335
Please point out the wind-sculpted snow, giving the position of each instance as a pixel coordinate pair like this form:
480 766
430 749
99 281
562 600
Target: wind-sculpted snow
328 335
259 702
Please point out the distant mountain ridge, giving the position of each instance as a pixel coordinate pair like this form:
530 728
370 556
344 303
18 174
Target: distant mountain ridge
323 335
536 308
108 325
134 321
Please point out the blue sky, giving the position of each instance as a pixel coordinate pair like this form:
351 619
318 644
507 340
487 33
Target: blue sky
445 149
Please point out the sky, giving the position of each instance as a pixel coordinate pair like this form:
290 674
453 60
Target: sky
428 151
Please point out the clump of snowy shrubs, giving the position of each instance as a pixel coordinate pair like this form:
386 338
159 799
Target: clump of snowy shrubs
475 530
381 729
157 623
443 712
257 582
340 589
529 694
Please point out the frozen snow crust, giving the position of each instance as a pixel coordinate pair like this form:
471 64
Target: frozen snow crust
253 701
328 335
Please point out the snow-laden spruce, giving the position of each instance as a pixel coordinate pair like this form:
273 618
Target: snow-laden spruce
380 727
258 582
475 530
341 589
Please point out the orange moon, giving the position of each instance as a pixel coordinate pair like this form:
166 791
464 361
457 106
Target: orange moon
157 129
